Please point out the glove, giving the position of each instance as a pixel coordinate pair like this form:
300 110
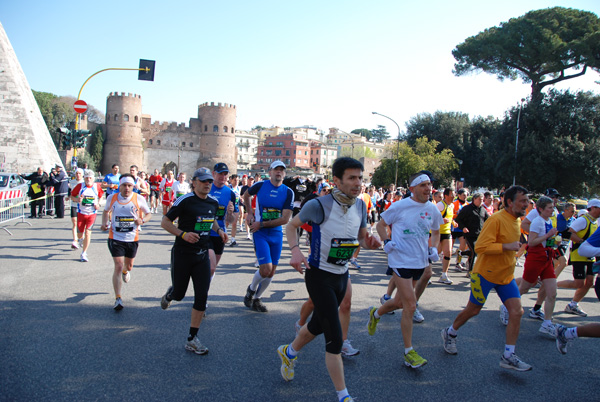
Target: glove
389 247
433 254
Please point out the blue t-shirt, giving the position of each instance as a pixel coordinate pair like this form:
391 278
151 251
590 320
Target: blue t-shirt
563 224
271 201
112 179
594 239
223 195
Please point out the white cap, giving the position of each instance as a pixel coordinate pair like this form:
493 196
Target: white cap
277 164
593 203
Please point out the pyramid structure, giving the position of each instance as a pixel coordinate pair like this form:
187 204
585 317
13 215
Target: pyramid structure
25 143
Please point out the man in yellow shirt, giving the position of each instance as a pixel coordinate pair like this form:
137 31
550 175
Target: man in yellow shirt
494 269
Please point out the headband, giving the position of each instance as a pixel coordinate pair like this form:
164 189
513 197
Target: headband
419 179
126 179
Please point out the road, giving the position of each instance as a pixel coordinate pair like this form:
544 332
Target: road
61 339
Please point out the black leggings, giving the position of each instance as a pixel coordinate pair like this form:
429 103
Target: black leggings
327 291
186 265
471 244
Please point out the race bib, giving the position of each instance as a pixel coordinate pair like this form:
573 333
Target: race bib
220 212
168 189
87 201
178 194
124 223
341 251
269 214
203 225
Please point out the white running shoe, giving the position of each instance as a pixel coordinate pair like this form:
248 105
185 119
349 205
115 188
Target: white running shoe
126 276
84 257
548 329
348 350
418 317
74 245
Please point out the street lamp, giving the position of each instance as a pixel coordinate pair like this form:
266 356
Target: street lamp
398 151
517 140
460 162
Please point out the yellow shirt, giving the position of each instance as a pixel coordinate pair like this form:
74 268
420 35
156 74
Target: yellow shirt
493 263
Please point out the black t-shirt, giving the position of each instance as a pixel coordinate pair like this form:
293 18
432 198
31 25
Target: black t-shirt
195 215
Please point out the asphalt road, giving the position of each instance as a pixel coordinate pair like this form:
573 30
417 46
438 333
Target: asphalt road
60 338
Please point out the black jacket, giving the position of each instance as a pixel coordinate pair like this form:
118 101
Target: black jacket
37 183
472 218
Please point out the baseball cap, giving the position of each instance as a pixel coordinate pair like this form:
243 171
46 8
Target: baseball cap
204 173
593 203
221 167
88 173
277 164
551 192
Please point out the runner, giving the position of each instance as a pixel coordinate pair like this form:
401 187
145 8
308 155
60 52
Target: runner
245 187
226 199
123 214
494 269
155 181
446 208
181 186
72 183
409 255
339 226
140 186
166 191
457 233
87 196
196 214
111 181
232 219
274 205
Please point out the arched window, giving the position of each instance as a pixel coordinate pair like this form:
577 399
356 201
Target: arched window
183 144
150 142
232 130
157 142
224 129
116 117
205 128
135 119
215 129
125 117
191 144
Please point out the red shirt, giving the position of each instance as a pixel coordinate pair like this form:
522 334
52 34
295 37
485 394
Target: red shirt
155 182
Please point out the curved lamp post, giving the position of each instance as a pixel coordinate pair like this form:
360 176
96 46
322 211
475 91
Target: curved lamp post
398 151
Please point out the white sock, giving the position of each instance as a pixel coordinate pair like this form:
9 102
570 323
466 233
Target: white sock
509 350
264 284
290 352
452 331
406 350
547 322
342 394
376 315
256 280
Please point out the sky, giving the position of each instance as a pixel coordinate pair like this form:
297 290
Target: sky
282 63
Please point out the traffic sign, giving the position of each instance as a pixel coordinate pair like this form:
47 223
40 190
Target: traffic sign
80 106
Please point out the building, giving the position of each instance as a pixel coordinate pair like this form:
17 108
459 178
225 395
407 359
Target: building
247 148
322 157
291 149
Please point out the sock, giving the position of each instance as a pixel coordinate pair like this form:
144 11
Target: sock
509 350
458 258
573 303
376 315
342 394
193 333
263 286
406 350
117 297
571 333
547 322
232 239
452 331
256 280
290 352
537 307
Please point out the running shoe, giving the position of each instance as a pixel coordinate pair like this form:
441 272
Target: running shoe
412 359
84 258
460 267
503 315
383 299
575 310
287 364
248 298
233 243
548 329
164 303
354 263
561 340
248 237
196 346
418 317
74 245
514 363
445 280
348 350
258 306
126 276
538 314
347 398
118 304
449 342
372 324
80 242
297 326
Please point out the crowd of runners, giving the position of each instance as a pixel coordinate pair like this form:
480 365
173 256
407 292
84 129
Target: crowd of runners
414 227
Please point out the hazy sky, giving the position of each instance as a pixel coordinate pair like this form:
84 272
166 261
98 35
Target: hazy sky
285 63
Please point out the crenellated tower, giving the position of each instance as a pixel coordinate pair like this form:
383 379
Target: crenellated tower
217 140
123 142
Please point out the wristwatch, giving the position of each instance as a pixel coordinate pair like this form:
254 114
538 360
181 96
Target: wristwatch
386 241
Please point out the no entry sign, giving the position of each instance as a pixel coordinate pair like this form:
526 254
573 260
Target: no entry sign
80 106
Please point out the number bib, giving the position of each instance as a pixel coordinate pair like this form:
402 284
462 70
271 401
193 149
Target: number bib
178 194
87 200
220 212
203 225
168 189
341 251
124 223
269 214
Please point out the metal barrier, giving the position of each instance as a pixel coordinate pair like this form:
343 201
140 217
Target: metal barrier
13 209
49 202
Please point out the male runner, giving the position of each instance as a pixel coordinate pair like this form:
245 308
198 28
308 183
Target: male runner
494 269
166 191
123 214
446 207
196 214
111 181
181 186
409 255
140 186
274 205
457 233
155 181
339 225
226 199
87 196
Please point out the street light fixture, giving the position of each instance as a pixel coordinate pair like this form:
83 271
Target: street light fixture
517 140
398 151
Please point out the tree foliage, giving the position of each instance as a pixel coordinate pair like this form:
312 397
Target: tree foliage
380 134
363 132
542 47
96 146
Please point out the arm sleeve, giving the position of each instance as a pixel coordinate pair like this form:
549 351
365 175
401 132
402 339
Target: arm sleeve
76 190
487 241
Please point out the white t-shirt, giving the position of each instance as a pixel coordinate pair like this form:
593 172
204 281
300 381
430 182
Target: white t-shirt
411 222
181 188
534 214
579 224
541 227
124 212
